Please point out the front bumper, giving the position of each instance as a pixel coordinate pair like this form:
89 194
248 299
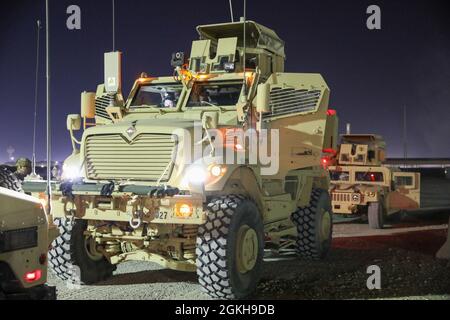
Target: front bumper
121 203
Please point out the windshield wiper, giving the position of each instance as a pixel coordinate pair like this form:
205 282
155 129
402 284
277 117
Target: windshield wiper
222 109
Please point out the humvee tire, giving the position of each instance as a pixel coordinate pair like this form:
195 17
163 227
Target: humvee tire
314 226
70 252
230 248
375 215
9 180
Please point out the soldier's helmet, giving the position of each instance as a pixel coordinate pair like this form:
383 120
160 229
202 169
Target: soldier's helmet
23 166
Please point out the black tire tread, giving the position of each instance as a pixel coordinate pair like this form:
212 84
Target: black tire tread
304 219
212 269
61 258
9 180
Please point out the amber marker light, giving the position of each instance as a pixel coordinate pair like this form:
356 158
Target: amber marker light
183 210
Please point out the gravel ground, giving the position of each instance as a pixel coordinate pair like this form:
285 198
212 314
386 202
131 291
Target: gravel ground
404 251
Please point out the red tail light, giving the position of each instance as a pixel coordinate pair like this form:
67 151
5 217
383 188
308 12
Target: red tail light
331 112
33 276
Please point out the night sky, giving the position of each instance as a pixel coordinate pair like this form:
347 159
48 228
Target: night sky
372 74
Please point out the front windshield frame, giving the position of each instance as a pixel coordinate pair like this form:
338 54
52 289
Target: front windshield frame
135 107
209 105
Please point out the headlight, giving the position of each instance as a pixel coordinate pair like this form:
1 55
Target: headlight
196 175
216 170
18 239
356 197
70 172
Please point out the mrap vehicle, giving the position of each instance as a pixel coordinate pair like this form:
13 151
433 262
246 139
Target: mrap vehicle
362 185
24 240
135 189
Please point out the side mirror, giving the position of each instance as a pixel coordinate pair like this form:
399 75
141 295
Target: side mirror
73 122
88 105
263 98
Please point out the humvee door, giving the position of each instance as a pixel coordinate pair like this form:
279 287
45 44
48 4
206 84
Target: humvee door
406 193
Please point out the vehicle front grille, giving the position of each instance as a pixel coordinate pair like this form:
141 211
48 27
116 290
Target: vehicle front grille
287 101
146 158
341 197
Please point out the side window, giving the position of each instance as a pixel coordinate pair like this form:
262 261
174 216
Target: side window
345 157
404 181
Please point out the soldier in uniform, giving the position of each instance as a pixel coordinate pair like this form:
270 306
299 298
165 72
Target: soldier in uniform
23 168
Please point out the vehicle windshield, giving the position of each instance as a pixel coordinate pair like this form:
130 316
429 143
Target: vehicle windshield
339 175
157 95
369 176
215 94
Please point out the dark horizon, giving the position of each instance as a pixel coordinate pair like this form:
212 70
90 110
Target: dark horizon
372 74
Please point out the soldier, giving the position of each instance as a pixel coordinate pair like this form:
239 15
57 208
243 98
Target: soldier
23 166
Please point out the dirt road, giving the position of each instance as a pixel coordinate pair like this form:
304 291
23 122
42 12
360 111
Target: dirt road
404 251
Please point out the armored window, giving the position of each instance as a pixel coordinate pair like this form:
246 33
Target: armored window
157 95
404 181
360 158
369 176
339 176
209 94
345 157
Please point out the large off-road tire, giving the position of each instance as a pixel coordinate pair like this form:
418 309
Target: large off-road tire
71 258
375 215
314 226
9 180
230 248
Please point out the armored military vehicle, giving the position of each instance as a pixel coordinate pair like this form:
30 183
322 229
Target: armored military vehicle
362 185
138 189
24 240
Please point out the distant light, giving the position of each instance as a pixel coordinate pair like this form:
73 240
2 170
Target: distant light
11 158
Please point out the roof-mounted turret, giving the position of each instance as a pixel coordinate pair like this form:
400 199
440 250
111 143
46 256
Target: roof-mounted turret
362 149
220 49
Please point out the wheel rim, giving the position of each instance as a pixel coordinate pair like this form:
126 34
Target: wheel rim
91 249
326 224
247 249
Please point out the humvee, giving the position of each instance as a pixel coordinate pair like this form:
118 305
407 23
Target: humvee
24 240
136 189
362 185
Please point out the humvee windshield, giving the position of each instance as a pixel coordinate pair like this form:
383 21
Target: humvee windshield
157 95
206 94
339 175
369 176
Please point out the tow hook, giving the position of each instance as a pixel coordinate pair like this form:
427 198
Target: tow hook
136 219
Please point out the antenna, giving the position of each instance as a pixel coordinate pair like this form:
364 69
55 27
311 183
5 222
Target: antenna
231 11
245 46
405 136
113 25
38 26
49 149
